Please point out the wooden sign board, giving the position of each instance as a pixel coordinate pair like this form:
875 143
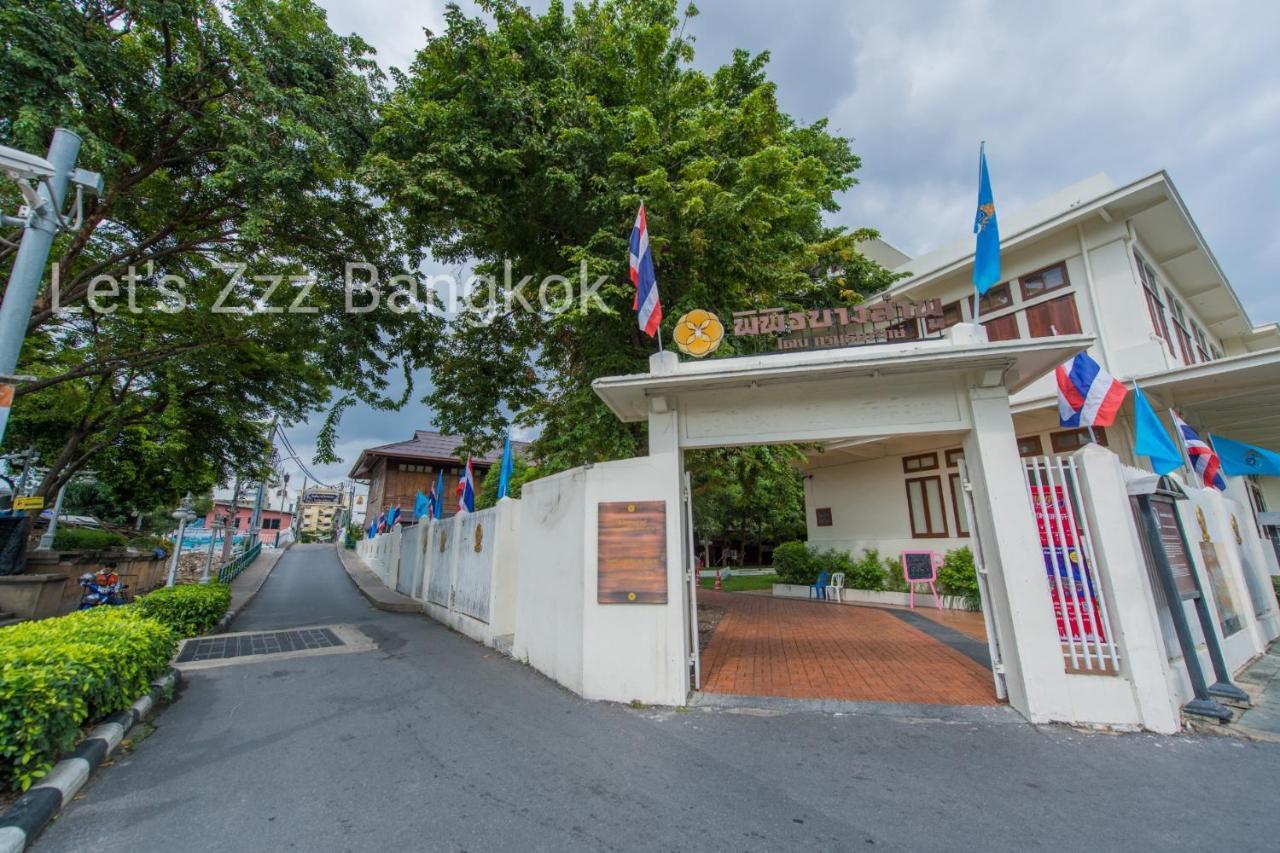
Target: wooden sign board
1171 537
631 560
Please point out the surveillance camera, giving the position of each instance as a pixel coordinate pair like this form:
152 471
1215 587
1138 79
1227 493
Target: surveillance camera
20 165
90 182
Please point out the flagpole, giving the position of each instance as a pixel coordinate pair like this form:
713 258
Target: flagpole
1182 445
660 338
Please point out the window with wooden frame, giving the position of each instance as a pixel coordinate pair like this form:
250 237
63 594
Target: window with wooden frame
954 456
1043 281
926 508
1070 440
1003 328
1155 307
823 516
1202 344
1180 327
995 299
920 462
959 516
951 314
1030 445
1054 317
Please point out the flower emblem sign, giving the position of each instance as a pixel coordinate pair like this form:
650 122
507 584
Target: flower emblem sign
699 332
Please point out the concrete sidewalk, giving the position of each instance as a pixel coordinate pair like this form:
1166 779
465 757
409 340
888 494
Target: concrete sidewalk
372 588
1262 681
246 584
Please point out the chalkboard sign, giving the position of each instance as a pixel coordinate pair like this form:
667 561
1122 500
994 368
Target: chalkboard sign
919 566
1171 537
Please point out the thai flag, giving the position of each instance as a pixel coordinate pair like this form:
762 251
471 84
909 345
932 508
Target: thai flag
432 500
467 488
646 302
1087 394
1203 459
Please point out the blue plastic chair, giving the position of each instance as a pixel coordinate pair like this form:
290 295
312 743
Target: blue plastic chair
818 589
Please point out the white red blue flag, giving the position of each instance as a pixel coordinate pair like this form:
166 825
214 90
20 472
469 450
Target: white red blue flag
1087 394
1203 460
646 303
467 488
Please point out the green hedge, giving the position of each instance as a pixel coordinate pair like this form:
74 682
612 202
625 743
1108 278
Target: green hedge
58 674
86 538
187 610
798 563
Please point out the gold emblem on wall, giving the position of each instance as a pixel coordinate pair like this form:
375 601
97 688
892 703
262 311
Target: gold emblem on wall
1204 525
698 333
479 537
444 537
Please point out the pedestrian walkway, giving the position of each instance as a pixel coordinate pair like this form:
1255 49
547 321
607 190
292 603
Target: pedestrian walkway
1262 681
816 650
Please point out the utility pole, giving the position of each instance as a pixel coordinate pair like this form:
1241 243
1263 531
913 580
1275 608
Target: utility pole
42 225
229 539
297 510
255 521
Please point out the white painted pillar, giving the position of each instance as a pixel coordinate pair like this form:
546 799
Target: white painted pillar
1135 618
1020 605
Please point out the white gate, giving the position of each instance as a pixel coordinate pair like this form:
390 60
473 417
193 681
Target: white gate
1070 566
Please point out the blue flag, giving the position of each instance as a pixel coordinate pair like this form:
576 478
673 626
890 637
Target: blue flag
1239 459
1151 439
439 507
986 257
420 507
504 473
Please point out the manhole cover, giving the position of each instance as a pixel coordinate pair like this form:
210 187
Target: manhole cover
264 643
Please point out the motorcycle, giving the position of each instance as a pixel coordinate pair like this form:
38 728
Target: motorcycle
101 588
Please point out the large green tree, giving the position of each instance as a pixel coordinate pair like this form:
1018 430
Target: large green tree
531 139
229 135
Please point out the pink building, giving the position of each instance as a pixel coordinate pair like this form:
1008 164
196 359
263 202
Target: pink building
272 521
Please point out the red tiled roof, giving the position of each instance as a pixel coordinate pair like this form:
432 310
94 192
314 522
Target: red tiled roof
425 444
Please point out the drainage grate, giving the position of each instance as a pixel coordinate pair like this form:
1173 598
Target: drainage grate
266 643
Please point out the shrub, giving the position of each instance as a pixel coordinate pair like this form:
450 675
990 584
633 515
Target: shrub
151 543
893 579
186 610
86 538
795 563
867 572
958 576
57 674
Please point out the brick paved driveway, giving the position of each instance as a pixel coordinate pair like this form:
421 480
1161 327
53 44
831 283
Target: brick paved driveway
767 646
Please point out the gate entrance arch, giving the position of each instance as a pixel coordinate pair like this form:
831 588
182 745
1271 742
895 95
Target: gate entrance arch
958 384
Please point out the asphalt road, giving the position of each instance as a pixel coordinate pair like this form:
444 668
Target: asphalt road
433 742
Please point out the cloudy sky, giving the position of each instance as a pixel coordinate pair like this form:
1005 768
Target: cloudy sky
1060 91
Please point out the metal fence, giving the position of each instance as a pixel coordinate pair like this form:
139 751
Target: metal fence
1071 569
228 573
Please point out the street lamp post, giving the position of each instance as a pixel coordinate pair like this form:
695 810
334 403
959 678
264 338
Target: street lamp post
44 186
46 541
182 515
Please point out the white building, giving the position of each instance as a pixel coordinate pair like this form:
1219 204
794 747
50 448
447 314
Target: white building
1126 265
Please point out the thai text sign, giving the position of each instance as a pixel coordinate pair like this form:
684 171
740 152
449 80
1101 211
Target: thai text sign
881 321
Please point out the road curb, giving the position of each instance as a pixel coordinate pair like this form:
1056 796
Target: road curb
372 588
224 624
31 813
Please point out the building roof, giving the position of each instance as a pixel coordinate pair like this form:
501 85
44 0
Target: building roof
426 445
1161 219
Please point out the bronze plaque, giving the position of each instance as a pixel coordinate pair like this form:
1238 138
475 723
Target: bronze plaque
1171 538
632 553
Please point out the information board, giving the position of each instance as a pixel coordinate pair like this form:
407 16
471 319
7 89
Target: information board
631 560
1171 537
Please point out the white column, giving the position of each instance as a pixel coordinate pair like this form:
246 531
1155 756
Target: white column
1135 620
1020 605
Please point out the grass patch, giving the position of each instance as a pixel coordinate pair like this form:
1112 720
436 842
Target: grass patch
743 583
